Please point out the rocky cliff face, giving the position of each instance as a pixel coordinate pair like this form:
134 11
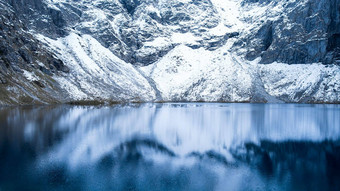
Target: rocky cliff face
174 50
20 54
305 32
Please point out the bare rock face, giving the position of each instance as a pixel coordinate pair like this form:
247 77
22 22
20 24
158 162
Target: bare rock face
306 32
21 54
38 16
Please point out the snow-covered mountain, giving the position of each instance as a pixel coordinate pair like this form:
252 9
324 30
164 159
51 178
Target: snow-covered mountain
169 50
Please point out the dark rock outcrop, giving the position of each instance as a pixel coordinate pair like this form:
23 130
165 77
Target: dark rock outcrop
19 52
308 33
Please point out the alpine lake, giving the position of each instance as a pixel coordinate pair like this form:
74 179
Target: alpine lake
170 146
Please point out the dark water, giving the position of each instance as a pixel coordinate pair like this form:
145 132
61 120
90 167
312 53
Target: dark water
170 147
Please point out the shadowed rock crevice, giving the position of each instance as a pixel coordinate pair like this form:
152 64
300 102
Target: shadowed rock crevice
130 5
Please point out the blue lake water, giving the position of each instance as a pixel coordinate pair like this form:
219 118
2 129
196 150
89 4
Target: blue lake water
171 146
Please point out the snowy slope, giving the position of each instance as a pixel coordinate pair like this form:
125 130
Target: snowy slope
185 74
199 75
301 83
96 73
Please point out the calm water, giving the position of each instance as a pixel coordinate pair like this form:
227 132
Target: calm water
178 146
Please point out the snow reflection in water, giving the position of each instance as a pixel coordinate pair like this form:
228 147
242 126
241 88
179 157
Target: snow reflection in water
195 146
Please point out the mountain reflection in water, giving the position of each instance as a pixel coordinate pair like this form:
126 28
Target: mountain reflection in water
179 146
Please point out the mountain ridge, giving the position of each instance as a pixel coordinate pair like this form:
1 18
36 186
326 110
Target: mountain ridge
177 50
